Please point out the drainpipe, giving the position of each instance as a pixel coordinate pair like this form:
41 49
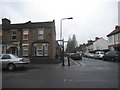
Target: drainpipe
21 41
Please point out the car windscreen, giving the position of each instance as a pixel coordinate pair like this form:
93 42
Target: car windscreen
16 56
112 53
109 53
102 53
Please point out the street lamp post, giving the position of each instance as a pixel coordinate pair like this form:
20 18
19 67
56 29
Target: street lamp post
62 48
61 26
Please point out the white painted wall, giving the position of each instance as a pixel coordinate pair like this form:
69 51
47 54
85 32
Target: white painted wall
100 44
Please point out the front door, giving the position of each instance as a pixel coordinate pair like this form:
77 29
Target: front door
13 50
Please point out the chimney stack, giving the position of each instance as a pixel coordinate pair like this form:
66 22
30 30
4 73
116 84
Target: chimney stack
116 27
6 21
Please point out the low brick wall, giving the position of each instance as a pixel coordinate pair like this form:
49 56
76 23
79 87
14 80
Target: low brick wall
44 60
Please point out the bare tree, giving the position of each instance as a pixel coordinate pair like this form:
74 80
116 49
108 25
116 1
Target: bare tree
71 45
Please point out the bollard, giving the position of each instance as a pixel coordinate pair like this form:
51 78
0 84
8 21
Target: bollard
63 60
68 61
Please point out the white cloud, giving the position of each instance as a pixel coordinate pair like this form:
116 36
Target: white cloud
91 18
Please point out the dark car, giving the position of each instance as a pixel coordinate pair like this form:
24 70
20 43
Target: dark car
112 56
76 56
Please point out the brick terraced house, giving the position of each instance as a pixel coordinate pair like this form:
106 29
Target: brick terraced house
35 40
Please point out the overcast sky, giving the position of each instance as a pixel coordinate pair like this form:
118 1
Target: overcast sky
91 18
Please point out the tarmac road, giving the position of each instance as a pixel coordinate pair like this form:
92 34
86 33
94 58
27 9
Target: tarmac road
86 73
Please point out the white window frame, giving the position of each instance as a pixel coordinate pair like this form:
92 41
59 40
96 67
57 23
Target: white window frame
3 49
25 49
39 50
45 50
116 37
119 37
111 40
25 32
41 33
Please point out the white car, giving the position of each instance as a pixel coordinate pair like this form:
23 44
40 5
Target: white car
99 54
91 55
11 62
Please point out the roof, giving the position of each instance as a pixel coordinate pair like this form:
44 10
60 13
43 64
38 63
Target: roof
117 30
27 25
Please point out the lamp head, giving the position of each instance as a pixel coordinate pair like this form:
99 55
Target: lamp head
70 18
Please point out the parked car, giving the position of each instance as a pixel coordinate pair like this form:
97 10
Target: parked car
11 62
112 56
91 55
76 56
86 54
99 54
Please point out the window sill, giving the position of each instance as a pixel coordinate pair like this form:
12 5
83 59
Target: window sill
14 40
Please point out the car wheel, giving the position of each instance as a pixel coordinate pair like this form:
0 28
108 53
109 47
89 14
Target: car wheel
11 67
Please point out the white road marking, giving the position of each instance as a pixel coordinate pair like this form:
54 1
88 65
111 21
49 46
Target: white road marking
65 80
75 62
82 64
33 70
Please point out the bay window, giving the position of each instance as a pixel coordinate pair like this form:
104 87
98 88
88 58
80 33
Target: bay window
39 50
42 50
46 50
